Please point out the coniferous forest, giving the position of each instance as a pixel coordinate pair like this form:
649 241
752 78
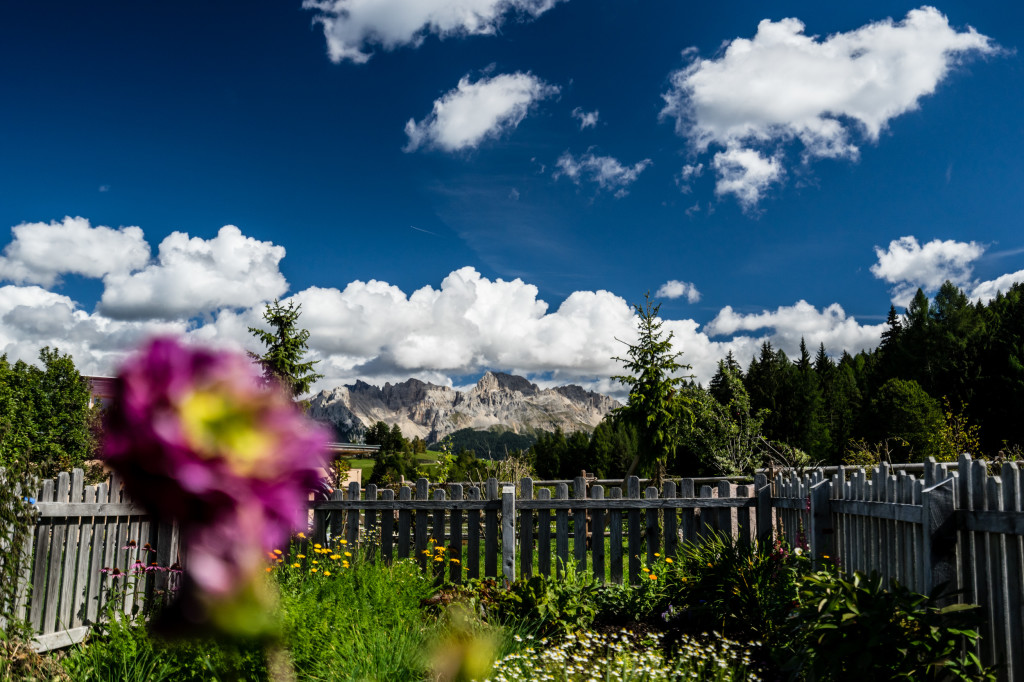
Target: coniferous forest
947 377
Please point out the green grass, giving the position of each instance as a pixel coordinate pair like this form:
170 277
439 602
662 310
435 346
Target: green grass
426 459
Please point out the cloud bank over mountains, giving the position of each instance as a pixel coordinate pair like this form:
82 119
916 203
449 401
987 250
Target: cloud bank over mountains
212 290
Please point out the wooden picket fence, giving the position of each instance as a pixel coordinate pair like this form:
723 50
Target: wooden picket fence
957 528
955 524
81 531
961 527
465 518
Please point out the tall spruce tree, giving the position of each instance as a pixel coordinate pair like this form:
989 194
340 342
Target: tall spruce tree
810 431
283 362
656 405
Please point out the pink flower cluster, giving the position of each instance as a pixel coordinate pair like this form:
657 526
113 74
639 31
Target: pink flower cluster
198 440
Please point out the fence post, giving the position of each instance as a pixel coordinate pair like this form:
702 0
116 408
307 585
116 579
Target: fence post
763 490
821 522
939 535
508 532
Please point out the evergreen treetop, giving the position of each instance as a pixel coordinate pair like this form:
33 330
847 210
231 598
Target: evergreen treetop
286 344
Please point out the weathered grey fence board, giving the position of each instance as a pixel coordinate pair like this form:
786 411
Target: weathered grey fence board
671 521
526 530
404 521
597 534
561 530
634 530
652 530
491 531
615 538
455 550
508 533
1015 632
387 528
579 524
473 540
544 535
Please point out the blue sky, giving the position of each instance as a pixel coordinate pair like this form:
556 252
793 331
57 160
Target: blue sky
449 186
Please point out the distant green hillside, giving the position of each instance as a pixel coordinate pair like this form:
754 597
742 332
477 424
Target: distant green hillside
492 444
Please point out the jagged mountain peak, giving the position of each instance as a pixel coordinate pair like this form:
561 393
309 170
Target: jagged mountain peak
431 412
496 381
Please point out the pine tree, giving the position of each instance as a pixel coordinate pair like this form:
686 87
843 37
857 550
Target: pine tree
286 347
656 405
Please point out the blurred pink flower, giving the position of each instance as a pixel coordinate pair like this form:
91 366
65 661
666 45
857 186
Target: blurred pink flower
199 440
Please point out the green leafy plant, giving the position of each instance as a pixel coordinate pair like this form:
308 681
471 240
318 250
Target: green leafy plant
856 628
555 606
626 603
17 517
744 590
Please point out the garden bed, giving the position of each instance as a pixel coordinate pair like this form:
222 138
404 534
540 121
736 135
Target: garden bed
717 611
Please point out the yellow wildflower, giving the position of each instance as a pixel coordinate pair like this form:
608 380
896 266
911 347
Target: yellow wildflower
296 565
277 551
300 535
668 560
317 545
327 572
652 576
303 556
343 541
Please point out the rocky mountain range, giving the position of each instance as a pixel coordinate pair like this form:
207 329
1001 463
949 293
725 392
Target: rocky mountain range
432 412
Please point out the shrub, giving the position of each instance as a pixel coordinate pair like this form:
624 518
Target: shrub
856 629
744 590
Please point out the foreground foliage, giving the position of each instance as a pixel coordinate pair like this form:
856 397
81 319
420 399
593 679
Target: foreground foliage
716 611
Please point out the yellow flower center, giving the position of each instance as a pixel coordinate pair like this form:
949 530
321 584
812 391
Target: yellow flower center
218 426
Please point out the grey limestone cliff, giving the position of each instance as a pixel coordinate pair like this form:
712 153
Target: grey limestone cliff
432 412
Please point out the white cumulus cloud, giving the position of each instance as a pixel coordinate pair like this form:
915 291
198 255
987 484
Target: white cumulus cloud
353 27
41 252
193 276
783 85
475 111
608 172
790 324
745 173
986 291
676 289
587 119
908 265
